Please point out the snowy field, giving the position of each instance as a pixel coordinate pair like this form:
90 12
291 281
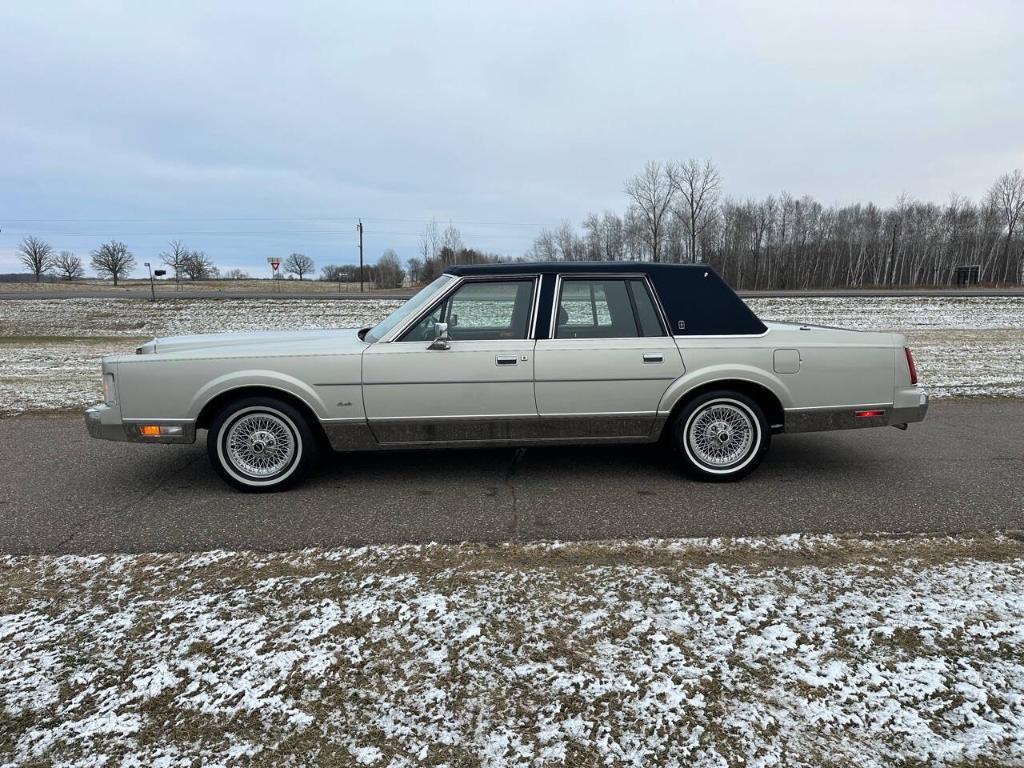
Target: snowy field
970 346
796 651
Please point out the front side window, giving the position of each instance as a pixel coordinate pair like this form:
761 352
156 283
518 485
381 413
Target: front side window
410 307
606 309
480 311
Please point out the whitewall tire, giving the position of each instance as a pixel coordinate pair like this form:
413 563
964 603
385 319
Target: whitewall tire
721 436
260 444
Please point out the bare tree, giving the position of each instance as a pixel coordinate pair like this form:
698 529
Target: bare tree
113 259
413 268
698 185
451 243
430 242
236 274
652 192
298 264
36 255
1007 195
69 265
196 265
570 246
389 270
175 259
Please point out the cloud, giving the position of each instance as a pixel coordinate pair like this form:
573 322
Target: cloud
244 127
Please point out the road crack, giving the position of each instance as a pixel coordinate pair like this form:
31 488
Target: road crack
510 473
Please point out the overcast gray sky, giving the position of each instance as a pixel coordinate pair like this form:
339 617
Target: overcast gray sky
256 129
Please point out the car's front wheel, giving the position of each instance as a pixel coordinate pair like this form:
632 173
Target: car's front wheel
260 444
721 436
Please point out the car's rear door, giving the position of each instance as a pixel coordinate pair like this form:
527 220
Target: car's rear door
479 389
608 359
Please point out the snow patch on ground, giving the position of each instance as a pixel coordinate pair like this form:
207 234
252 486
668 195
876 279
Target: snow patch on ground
789 651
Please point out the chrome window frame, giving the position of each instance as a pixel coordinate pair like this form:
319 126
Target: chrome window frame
557 298
459 280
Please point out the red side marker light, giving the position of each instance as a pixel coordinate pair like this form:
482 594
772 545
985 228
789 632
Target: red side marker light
868 414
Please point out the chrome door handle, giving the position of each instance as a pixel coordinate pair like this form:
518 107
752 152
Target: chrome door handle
506 360
653 357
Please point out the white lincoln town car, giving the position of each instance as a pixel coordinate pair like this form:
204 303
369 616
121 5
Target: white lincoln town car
515 355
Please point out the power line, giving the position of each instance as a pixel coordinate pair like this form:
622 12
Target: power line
332 219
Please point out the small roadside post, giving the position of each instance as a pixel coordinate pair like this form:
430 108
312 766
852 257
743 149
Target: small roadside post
152 285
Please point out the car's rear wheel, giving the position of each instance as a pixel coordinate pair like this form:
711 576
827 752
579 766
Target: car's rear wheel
260 444
721 436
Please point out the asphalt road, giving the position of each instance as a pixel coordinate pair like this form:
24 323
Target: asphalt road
962 469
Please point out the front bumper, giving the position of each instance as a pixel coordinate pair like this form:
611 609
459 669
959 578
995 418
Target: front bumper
104 422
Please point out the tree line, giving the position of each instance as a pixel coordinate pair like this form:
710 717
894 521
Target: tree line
676 213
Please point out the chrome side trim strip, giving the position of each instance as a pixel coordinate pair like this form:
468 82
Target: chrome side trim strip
171 422
631 378
855 407
722 335
474 418
449 383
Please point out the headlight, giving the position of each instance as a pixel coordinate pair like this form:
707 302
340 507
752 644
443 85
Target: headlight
109 394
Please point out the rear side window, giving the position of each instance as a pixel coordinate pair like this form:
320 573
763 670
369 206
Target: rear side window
646 314
605 309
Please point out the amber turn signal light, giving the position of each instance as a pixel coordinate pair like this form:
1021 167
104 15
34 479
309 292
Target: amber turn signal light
149 430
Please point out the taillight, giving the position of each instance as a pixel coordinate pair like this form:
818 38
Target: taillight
910 365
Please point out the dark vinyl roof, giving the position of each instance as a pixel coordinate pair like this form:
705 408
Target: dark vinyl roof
695 299
568 267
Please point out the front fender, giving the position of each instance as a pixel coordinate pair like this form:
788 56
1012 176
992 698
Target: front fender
699 377
257 378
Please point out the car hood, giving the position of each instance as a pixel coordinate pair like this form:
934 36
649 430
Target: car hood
258 342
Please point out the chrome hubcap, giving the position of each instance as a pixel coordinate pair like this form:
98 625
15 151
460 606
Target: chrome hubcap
721 434
260 444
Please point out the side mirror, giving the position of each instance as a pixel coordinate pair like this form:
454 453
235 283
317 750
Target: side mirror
441 340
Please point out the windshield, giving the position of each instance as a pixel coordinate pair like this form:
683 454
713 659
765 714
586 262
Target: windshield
381 329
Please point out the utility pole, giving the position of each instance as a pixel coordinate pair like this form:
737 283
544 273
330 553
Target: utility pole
359 227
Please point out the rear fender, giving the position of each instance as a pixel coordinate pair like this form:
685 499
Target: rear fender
691 380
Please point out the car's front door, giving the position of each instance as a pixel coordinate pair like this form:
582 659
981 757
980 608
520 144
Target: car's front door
478 389
608 361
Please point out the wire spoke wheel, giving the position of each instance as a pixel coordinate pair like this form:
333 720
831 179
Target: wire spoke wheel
260 444
721 434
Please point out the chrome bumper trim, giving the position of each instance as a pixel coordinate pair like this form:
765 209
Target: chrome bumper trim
104 422
827 419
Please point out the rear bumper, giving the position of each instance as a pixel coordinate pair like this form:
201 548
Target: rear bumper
911 406
904 413
104 422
